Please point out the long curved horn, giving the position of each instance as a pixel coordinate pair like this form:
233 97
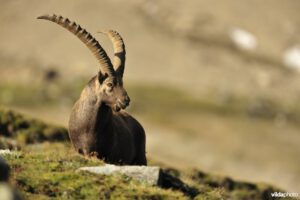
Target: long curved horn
119 50
87 39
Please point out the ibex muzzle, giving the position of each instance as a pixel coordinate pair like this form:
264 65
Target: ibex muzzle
98 125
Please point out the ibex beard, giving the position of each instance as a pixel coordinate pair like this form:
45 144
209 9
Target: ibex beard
98 124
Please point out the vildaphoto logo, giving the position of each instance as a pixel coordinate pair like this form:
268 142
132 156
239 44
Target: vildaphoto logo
284 194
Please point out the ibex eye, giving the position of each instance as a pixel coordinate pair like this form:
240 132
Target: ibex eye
109 84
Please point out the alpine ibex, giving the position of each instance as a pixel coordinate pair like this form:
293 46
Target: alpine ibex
97 124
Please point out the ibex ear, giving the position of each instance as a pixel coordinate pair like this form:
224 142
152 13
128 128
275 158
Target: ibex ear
102 77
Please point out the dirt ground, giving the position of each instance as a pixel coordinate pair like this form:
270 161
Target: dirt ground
183 45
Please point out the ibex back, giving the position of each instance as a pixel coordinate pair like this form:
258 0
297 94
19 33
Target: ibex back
98 125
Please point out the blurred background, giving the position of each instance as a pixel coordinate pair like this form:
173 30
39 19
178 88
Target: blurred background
216 84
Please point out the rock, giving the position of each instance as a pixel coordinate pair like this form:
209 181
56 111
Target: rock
7 193
151 175
4 170
168 181
146 174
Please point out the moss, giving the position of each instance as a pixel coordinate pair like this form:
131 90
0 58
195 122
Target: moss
216 194
120 187
26 130
236 190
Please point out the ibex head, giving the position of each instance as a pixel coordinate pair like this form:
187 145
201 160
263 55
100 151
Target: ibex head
110 76
113 92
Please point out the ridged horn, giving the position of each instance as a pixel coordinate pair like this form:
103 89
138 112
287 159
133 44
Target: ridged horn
119 50
93 45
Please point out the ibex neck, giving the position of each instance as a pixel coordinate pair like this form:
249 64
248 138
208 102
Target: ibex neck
90 123
92 113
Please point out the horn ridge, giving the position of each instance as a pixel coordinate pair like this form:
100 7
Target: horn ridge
93 45
119 51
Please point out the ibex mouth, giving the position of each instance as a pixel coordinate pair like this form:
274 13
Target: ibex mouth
117 108
119 105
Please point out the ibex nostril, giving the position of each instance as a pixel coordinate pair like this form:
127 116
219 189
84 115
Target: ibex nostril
127 100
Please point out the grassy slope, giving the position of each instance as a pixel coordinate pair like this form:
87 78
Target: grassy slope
47 170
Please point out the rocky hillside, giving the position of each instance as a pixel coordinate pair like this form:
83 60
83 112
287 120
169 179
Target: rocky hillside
43 165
